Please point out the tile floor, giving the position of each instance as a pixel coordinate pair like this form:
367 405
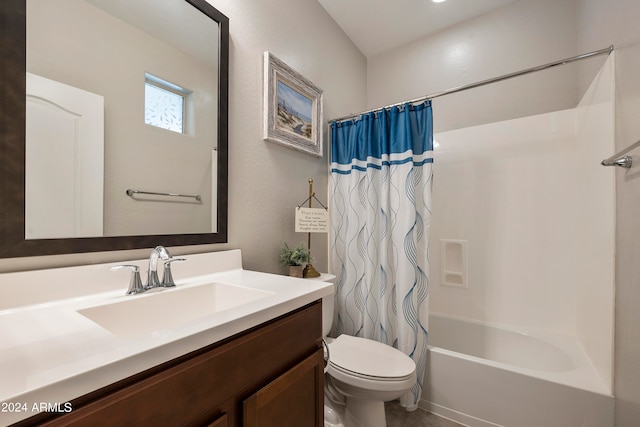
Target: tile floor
398 417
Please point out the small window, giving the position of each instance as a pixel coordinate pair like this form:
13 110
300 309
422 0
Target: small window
165 104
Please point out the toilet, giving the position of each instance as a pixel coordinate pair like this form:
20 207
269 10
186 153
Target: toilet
361 375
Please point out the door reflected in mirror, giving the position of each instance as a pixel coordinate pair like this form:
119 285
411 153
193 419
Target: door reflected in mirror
87 141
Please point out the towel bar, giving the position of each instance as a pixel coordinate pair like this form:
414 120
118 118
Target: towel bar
131 193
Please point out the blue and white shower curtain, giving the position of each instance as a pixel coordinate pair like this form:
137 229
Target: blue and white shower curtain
381 178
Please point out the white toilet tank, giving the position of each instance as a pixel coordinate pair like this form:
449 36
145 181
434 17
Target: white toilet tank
327 314
327 308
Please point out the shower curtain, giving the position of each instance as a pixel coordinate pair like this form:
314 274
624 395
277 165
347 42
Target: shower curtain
380 210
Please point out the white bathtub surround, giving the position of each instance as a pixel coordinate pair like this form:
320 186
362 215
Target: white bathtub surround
595 293
537 209
483 375
549 357
50 352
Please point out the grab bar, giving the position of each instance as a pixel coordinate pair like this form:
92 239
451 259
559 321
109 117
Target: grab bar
619 159
131 193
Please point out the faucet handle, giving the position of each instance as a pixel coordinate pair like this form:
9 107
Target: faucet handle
167 277
135 283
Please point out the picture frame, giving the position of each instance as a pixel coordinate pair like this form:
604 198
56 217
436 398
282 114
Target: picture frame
292 108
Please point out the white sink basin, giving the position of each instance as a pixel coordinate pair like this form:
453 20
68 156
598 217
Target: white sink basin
169 308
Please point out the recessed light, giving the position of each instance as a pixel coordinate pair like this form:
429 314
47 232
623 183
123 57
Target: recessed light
437 1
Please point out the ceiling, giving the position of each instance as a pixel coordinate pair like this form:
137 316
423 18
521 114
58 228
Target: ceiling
376 26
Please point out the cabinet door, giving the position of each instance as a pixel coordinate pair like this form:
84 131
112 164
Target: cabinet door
294 399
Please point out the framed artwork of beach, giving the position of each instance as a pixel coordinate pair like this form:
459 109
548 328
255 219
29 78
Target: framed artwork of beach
292 108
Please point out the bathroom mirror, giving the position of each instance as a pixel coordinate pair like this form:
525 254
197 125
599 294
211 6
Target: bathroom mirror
177 48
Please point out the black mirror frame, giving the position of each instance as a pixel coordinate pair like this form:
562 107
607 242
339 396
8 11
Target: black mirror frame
12 150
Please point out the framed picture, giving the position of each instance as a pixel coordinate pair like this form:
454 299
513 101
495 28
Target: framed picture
292 108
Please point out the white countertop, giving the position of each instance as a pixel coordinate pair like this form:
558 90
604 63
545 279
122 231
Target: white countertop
50 353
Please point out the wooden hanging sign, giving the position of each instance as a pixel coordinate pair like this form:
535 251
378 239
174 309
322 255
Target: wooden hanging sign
312 220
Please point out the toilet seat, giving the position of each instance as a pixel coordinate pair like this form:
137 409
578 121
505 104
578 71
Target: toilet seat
335 368
369 360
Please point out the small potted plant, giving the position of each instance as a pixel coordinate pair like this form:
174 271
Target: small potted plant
294 258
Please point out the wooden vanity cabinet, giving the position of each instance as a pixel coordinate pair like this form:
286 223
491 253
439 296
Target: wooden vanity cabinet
291 400
271 375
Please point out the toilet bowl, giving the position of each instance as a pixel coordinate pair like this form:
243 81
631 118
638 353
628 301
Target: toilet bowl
361 375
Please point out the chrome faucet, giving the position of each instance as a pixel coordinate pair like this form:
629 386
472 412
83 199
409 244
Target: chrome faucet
135 283
160 252
152 270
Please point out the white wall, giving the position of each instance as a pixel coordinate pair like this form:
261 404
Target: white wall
266 181
615 22
515 37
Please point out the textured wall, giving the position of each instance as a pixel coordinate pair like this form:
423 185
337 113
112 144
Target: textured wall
515 37
267 181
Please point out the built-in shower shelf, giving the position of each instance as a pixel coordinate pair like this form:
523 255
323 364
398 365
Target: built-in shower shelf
454 263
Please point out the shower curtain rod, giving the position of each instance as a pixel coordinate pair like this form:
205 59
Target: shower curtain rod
607 50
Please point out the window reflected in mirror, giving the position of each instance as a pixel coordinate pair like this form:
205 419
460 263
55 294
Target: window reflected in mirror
166 105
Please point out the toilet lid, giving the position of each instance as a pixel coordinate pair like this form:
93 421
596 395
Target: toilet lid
369 358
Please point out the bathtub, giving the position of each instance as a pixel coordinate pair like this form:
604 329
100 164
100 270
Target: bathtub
481 375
